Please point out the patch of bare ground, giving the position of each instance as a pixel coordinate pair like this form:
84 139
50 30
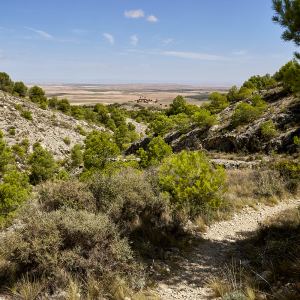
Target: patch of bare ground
187 277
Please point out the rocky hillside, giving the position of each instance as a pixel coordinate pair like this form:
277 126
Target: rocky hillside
283 109
21 119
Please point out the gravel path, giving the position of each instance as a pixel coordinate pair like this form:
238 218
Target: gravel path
189 280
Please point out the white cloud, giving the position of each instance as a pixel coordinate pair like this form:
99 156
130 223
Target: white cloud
152 19
134 40
134 14
109 37
194 55
43 34
168 41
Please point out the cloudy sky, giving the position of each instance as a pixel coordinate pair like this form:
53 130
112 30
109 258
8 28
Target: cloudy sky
205 42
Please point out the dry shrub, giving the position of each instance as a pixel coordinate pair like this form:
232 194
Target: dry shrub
130 200
248 186
67 243
71 194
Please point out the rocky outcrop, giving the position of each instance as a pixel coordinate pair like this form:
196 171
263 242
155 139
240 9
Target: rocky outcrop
55 131
283 110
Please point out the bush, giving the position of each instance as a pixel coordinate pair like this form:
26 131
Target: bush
192 182
268 130
20 89
66 194
179 105
132 200
67 140
204 119
14 190
289 75
161 125
6 84
6 157
290 171
245 113
99 148
42 165
76 156
64 244
218 102
157 149
26 114
37 95
260 82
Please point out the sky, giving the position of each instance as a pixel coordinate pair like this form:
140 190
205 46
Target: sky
203 42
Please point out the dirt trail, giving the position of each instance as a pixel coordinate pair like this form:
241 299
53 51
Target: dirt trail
208 258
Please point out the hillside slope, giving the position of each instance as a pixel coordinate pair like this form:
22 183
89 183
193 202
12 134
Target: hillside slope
283 109
54 130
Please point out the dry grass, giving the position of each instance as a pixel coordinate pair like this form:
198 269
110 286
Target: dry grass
233 283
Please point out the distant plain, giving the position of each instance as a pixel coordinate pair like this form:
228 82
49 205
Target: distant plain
128 94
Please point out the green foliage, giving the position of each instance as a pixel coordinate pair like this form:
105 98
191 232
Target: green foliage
289 75
179 105
155 152
6 84
233 94
161 125
20 89
290 171
12 131
268 130
99 148
192 182
37 95
287 14
204 119
63 105
14 190
123 136
42 165
218 102
260 82
245 113
26 114
76 156
6 157
67 140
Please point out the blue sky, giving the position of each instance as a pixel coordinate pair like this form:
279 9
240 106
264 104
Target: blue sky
206 42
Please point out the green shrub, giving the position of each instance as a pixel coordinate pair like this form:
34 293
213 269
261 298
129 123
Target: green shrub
289 75
12 131
6 84
218 102
37 95
155 152
76 156
67 140
268 130
192 182
14 190
27 115
204 119
245 113
6 157
260 82
99 148
162 124
42 165
20 89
